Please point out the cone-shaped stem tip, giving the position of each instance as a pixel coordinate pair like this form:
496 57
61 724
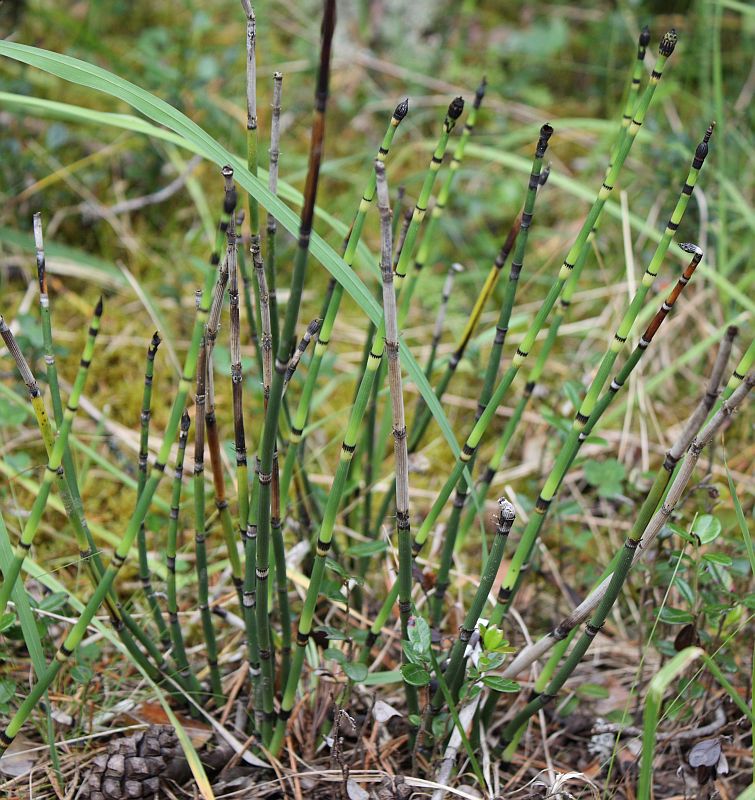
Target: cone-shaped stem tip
480 92
185 421
314 326
401 110
456 107
156 339
691 247
506 511
732 331
702 149
644 37
227 172
668 43
542 144
98 308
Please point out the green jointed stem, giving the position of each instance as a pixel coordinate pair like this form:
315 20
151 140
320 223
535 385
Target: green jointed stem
272 183
54 468
494 359
200 529
587 407
78 630
401 455
429 237
227 229
348 447
440 318
455 670
329 317
176 634
270 430
141 539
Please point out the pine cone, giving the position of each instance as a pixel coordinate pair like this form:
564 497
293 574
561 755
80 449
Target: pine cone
133 766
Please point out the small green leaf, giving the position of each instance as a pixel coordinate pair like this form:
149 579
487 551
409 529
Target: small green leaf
356 671
419 634
707 528
81 674
367 549
13 415
498 684
335 655
415 675
675 616
415 719
718 558
7 621
492 638
53 602
592 690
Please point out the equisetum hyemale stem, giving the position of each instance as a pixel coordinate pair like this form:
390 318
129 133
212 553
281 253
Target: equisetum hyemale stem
454 673
176 633
141 540
401 455
54 468
200 521
76 633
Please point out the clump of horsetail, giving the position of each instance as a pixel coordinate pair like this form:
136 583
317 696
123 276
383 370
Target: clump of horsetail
126 628
54 470
504 596
473 440
77 631
141 540
587 407
349 444
401 455
641 536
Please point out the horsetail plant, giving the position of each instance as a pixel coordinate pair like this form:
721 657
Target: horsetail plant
200 521
428 239
54 467
122 623
491 372
504 596
401 455
77 631
272 184
440 318
473 440
141 539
